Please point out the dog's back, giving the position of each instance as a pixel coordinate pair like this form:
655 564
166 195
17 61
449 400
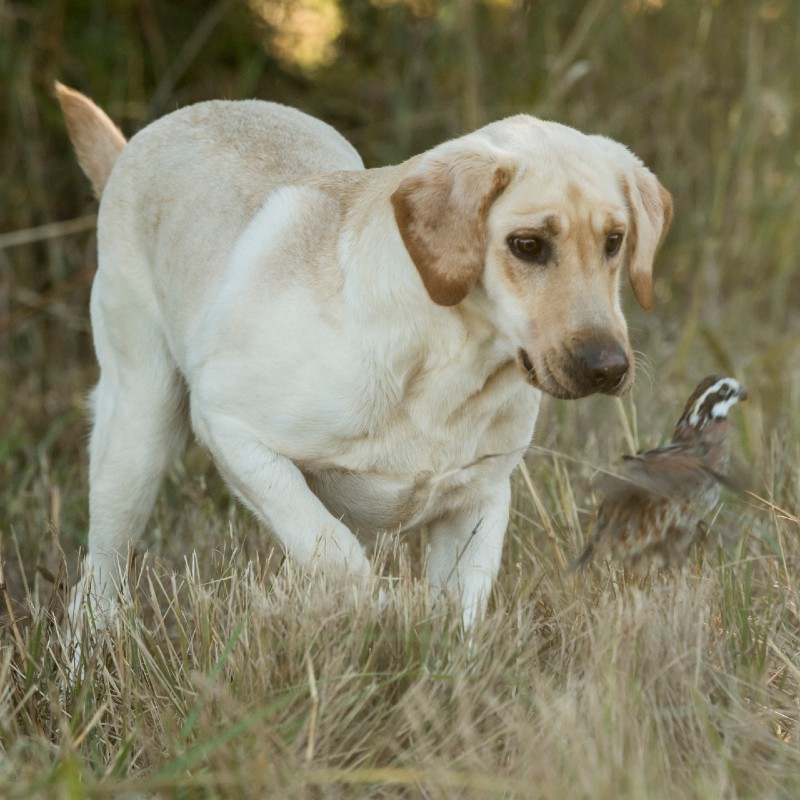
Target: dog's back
255 135
178 195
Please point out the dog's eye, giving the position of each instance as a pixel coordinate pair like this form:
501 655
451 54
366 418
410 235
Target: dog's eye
613 243
530 248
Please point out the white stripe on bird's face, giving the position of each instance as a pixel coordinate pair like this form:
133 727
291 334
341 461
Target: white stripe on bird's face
725 393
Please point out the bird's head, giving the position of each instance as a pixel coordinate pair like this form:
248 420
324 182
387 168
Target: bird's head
711 401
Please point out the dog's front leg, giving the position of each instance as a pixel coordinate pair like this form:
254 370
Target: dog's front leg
465 551
275 490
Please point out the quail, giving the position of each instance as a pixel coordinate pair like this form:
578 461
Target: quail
651 512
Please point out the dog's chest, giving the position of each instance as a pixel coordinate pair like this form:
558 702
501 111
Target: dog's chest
428 455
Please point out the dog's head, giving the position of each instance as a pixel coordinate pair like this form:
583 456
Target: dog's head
542 219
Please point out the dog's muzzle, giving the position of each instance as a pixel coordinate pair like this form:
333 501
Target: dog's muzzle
593 364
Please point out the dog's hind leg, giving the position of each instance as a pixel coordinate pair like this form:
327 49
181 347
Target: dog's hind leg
140 424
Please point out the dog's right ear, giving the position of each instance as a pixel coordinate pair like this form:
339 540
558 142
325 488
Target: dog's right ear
650 208
96 139
440 208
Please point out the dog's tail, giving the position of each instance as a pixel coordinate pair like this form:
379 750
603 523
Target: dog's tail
96 139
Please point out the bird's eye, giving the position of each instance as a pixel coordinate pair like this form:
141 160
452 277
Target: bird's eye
530 248
613 244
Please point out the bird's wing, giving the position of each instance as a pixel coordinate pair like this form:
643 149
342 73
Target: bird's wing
667 473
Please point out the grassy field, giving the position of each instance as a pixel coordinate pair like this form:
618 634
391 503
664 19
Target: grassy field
232 676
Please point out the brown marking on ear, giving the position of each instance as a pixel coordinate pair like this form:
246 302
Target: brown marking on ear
96 139
650 212
440 210
642 285
666 211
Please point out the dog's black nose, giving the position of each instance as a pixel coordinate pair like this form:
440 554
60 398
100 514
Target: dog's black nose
604 368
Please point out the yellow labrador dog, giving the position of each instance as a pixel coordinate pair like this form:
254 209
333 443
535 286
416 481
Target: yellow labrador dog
361 350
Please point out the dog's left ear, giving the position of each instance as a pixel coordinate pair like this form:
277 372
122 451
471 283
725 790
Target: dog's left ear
440 208
650 208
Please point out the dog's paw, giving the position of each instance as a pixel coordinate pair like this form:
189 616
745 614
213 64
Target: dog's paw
89 616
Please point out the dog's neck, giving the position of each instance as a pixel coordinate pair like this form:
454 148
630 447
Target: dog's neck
392 294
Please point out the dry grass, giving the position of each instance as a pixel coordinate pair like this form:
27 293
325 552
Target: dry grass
232 677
